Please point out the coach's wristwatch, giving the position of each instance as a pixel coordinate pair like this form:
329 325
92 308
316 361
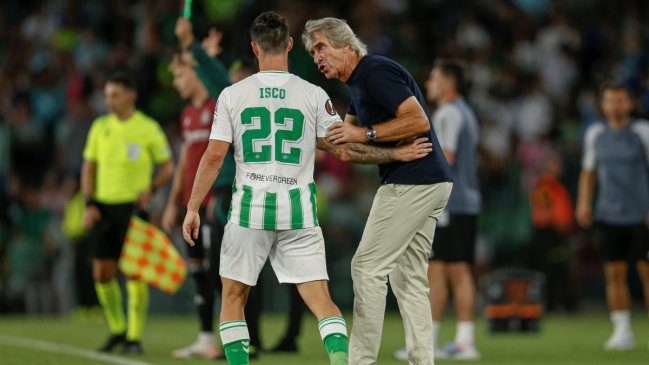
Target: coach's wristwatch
371 134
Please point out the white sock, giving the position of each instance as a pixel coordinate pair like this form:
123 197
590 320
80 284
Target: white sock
621 321
436 326
464 332
206 338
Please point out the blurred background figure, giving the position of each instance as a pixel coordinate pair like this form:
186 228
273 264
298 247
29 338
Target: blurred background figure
553 221
535 68
121 151
616 160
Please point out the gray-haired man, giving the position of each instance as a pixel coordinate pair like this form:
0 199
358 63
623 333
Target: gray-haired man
390 108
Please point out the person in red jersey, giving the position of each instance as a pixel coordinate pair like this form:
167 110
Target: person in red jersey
196 124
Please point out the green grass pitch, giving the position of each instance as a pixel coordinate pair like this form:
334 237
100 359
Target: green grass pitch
564 340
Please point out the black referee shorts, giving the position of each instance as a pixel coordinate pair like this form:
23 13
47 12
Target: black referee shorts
623 242
108 234
456 241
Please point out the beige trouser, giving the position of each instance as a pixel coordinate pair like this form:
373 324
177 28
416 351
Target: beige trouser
396 242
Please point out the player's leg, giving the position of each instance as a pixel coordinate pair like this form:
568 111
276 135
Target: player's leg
299 257
459 271
232 327
295 314
616 243
641 256
204 346
243 254
437 274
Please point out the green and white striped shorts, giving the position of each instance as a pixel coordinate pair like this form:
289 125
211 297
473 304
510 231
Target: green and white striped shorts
296 255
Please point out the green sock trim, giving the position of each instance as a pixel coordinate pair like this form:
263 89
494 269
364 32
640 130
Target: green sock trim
336 342
238 352
110 298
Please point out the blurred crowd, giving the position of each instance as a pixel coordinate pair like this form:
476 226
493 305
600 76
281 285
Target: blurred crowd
534 67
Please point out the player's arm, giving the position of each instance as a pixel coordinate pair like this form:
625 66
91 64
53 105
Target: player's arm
178 177
369 154
587 179
587 183
208 171
448 126
171 209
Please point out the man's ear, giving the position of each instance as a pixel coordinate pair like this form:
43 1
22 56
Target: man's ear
255 48
290 44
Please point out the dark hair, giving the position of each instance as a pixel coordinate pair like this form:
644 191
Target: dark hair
270 31
614 86
123 78
454 70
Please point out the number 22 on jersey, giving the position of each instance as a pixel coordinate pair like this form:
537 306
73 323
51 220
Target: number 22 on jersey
289 155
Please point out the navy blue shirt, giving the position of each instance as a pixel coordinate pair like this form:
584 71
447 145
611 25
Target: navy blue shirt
378 86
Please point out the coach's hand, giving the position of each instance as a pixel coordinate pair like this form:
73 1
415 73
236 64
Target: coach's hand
90 216
413 150
584 215
342 132
169 217
190 227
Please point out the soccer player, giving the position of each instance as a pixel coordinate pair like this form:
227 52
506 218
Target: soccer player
398 235
196 126
453 252
121 151
273 119
615 158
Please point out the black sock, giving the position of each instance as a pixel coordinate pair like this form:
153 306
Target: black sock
204 300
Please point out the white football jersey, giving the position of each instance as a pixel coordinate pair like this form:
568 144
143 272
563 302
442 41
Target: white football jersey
272 120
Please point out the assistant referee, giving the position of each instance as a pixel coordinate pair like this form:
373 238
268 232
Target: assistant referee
121 152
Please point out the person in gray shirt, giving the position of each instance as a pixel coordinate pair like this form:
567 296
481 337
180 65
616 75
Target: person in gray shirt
452 256
615 158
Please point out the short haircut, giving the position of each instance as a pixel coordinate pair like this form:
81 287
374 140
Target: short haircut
614 86
123 78
270 31
336 30
454 70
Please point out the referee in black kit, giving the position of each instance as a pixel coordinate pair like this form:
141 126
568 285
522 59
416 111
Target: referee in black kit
396 242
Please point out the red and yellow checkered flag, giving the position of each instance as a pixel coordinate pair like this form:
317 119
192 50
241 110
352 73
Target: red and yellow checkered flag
149 255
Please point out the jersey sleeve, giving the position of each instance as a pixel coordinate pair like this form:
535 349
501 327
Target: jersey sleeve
222 126
159 146
448 123
90 151
589 160
641 128
387 87
326 114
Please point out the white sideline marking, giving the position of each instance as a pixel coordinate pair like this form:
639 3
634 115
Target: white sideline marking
65 349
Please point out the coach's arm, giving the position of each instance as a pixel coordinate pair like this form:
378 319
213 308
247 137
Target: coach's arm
368 154
410 121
